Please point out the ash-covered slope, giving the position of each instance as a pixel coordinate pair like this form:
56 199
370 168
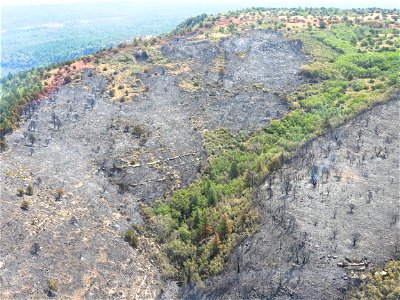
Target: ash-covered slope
91 161
315 241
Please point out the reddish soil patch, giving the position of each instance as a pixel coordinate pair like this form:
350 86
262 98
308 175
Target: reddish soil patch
58 75
225 22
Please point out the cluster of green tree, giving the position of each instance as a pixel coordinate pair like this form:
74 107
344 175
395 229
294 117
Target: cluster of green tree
199 225
389 16
188 24
16 92
380 284
317 11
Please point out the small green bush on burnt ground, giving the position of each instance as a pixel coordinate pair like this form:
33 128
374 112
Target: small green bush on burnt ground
131 238
25 205
67 79
53 285
20 192
59 194
29 190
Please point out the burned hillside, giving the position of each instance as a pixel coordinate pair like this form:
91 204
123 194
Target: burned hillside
246 155
91 161
328 215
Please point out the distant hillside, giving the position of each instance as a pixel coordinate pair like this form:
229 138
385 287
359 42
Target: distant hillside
41 35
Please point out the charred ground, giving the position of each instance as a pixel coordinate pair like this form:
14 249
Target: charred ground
108 157
193 145
319 240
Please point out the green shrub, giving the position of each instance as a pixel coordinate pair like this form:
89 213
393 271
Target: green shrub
67 79
59 193
379 284
319 71
25 205
357 86
21 192
234 170
52 284
29 190
131 238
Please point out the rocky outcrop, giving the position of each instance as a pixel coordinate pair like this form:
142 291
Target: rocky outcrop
141 56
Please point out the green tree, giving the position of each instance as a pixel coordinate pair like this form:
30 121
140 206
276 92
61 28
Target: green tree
380 284
67 79
224 227
211 194
233 173
216 245
131 238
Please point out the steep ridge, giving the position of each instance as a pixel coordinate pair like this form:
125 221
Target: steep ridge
91 161
75 239
316 241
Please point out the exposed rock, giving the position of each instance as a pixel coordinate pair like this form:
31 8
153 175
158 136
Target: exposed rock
73 220
35 249
141 56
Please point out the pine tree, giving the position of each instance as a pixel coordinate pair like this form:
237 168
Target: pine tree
211 194
196 219
206 228
216 245
234 170
225 227
249 178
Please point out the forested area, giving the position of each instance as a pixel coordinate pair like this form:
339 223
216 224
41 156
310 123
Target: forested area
37 36
16 92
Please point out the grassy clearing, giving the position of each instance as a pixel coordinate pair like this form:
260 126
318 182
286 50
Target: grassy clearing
190 85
